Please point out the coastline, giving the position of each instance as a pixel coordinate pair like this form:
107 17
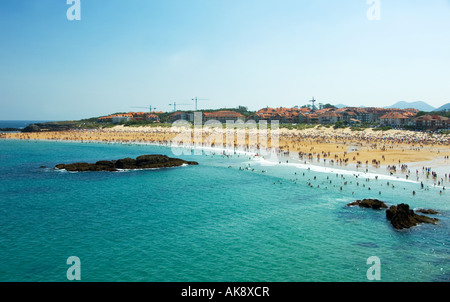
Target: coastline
417 157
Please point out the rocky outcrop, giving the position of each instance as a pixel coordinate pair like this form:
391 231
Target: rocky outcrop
427 211
141 162
126 163
369 203
38 127
401 217
31 128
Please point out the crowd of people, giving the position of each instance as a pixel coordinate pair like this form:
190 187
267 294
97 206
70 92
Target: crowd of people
392 149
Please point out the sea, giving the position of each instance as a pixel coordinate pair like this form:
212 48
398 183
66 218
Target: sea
17 124
233 218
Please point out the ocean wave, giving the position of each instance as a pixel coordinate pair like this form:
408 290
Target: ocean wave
329 170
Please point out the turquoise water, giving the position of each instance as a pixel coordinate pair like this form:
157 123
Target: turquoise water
211 222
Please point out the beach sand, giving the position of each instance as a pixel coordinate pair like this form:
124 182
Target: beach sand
393 149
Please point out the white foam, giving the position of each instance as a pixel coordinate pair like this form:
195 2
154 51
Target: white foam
274 160
332 170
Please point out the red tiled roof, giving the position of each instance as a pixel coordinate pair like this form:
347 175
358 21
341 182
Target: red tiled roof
224 114
429 117
394 115
330 114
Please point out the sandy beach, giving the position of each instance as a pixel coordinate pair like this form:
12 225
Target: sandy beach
411 153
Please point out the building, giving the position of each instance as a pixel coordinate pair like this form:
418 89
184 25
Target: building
330 117
131 116
139 116
374 114
282 115
121 118
105 119
431 122
181 116
312 118
152 117
362 115
116 118
223 116
394 119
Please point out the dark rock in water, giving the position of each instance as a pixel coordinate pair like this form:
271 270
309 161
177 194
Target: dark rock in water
126 163
427 211
105 163
77 167
31 128
401 217
151 159
158 161
142 162
369 203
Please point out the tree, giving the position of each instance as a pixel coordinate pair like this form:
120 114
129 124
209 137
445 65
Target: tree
339 125
329 106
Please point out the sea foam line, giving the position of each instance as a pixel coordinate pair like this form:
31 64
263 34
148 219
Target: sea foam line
329 170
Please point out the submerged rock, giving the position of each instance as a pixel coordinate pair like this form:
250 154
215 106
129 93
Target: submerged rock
427 211
369 203
401 217
142 162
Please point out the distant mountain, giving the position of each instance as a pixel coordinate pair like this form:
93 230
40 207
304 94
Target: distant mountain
422 106
339 106
444 107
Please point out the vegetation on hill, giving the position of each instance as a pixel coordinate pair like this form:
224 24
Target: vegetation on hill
441 113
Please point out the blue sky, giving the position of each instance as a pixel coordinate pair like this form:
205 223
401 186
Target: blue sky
255 53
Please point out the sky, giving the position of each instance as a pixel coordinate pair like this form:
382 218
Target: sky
129 55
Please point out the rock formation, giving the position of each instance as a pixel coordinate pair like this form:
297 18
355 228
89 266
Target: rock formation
141 162
38 127
427 211
369 203
401 217
31 128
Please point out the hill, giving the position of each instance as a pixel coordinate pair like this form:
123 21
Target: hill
444 107
422 106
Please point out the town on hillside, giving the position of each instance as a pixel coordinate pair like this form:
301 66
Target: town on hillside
325 115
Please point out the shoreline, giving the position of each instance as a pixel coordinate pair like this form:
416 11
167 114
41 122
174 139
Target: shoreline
388 147
414 156
254 157
310 163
